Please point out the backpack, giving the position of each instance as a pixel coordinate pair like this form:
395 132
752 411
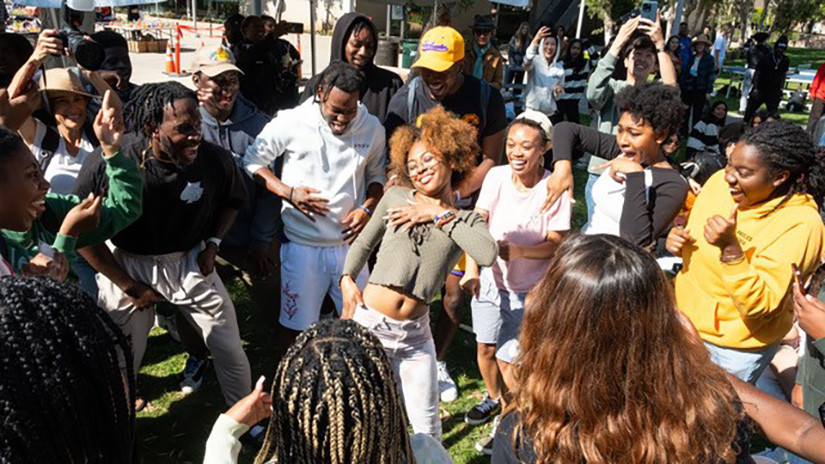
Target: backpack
484 99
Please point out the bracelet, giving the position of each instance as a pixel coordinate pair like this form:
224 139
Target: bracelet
214 240
443 218
291 189
364 207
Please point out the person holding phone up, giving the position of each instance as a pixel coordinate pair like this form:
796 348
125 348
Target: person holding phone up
747 226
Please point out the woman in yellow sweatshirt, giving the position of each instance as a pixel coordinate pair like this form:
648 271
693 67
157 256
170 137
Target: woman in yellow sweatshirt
747 226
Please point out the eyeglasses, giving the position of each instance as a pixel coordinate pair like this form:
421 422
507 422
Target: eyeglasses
427 161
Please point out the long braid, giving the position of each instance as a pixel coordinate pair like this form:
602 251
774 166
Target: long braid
62 395
335 400
145 111
784 146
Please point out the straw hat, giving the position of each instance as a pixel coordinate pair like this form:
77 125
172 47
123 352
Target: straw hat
702 38
62 80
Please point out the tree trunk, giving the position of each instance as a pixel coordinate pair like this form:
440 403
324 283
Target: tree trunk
764 15
746 8
608 28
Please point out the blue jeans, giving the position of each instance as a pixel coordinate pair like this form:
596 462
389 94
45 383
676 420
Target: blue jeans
745 364
588 194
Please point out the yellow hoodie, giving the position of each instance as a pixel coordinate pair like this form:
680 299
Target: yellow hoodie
749 304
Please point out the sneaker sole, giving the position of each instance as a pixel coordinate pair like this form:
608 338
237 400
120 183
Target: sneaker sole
478 421
483 450
448 397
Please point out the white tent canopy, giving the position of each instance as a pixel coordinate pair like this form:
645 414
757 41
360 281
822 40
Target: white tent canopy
84 5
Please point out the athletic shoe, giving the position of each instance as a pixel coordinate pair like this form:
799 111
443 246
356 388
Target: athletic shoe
483 411
193 374
447 389
485 445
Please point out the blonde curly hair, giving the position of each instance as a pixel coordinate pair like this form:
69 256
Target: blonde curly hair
451 139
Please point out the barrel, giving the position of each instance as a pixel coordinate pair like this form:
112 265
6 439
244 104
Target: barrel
387 53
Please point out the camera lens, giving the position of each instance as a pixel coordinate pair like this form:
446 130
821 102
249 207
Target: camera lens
87 53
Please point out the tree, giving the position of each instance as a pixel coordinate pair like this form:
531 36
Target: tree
793 13
609 11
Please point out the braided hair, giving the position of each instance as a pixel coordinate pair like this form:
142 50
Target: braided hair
784 146
334 400
63 397
144 113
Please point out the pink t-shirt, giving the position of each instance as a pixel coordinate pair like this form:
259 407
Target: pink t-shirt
514 217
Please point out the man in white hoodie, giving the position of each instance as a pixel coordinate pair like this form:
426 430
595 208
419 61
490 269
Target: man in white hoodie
333 177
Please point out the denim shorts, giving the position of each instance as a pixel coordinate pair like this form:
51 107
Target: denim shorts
512 312
485 308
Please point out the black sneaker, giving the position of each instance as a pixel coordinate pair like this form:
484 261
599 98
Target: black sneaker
483 411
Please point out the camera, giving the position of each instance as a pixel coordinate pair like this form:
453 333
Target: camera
87 53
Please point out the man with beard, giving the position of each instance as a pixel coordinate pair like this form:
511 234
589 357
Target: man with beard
355 41
333 177
192 193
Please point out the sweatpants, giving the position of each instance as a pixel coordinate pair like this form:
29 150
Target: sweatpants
203 301
410 348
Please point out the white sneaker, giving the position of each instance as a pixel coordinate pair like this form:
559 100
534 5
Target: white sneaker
447 389
485 445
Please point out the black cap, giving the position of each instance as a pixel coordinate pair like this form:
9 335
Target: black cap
782 42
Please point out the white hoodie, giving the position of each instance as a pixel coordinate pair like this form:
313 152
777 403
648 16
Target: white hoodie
542 78
340 166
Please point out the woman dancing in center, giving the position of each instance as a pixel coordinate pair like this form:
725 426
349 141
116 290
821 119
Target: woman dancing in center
422 237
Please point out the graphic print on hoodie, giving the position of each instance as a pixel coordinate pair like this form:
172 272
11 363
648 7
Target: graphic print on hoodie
340 166
381 84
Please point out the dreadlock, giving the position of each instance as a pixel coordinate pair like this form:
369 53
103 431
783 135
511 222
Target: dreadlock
342 76
62 395
784 146
334 401
145 111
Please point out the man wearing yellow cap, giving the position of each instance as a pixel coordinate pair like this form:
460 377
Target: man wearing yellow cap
442 82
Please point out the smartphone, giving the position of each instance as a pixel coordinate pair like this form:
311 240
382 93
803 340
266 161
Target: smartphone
294 28
650 10
798 277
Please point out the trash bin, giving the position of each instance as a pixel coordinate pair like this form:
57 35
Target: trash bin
387 52
409 47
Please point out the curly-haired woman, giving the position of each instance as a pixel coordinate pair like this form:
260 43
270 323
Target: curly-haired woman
422 237
641 193
748 226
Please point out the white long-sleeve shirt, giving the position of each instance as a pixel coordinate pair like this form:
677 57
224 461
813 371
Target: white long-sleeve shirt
340 166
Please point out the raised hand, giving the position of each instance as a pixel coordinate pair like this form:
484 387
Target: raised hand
254 407
85 216
108 124
624 35
654 30
48 43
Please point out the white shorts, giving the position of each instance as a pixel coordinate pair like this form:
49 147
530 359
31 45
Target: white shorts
307 274
485 307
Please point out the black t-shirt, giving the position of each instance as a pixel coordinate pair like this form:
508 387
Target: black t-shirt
466 103
180 205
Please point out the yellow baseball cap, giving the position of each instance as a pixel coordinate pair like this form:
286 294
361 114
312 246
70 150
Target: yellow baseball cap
441 48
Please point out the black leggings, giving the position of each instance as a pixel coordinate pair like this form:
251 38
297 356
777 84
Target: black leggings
770 99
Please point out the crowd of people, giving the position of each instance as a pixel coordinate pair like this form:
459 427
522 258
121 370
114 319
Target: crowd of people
370 198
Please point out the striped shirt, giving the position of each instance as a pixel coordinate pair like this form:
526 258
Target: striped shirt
575 82
704 137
